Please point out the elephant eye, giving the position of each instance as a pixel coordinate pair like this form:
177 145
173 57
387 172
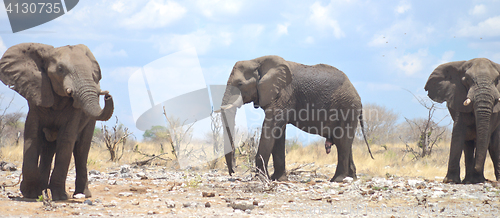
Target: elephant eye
466 81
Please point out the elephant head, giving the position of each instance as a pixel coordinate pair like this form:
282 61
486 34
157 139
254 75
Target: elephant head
259 81
42 74
469 87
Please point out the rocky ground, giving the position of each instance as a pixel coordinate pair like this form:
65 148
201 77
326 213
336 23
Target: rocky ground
161 192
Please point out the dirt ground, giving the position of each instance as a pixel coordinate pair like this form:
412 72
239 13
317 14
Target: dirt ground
129 191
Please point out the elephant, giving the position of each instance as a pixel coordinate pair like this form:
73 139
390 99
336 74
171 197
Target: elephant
62 88
471 91
317 99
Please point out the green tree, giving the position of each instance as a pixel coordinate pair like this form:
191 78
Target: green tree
156 134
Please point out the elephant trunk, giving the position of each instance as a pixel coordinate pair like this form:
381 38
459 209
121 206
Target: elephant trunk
483 111
228 113
86 96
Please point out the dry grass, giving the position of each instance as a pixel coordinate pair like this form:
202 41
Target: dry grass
392 161
388 161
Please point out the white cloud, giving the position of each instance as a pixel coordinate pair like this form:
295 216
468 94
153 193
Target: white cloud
177 42
201 40
478 10
210 8
155 14
106 50
282 29
411 64
404 33
447 57
489 27
402 7
320 16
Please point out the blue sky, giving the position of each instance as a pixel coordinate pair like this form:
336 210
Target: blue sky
383 46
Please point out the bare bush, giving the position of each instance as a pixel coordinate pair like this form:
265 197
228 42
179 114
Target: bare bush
425 132
379 123
215 139
11 126
115 138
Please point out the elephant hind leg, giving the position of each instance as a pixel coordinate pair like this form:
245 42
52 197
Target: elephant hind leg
345 165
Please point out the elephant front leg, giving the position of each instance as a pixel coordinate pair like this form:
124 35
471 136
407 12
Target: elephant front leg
494 150
456 148
279 157
81 153
31 186
271 132
64 148
48 150
471 175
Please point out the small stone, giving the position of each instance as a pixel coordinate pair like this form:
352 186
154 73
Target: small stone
248 211
152 212
170 204
256 203
88 202
242 206
106 189
112 182
125 194
141 175
5 166
97 200
94 172
207 204
208 194
79 196
110 204
348 180
186 204
135 202
124 169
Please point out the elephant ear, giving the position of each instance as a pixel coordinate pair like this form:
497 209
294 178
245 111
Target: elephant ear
496 108
23 69
445 84
95 65
274 75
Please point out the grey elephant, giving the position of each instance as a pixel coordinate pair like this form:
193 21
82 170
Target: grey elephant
317 99
62 88
471 91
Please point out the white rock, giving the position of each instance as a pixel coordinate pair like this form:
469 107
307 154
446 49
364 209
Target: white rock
125 194
347 180
79 196
438 194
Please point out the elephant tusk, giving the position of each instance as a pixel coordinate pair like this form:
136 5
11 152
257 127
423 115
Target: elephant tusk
224 107
103 92
68 90
467 102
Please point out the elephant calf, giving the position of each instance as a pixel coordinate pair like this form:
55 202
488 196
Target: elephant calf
317 99
61 86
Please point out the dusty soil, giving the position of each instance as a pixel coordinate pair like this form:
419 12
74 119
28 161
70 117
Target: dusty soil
161 192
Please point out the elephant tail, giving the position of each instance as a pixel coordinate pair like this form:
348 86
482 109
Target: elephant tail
363 131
